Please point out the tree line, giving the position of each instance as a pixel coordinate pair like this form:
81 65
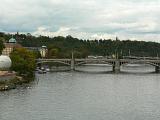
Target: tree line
61 47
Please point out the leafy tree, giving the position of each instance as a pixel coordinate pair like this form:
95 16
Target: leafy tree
83 48
1 45
23 61
53 53
37 54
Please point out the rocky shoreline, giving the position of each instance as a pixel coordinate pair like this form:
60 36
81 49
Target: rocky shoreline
12 83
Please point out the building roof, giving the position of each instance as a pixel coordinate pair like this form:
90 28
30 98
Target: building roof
12 40
12 45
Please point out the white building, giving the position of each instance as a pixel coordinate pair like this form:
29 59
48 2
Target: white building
43 51
5 62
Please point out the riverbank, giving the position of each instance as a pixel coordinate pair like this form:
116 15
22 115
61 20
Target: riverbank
13 83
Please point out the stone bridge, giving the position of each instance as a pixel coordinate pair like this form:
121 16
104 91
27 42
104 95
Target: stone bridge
116 63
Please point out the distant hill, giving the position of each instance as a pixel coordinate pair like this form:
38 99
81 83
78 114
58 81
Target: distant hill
62 46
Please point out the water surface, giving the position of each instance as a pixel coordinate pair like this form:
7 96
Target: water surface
86 96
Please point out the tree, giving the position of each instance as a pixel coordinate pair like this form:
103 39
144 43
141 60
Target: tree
83 48
52 53
23 61
1 45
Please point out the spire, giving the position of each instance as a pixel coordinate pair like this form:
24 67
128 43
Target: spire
117 38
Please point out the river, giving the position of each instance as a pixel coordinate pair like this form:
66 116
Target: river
133 94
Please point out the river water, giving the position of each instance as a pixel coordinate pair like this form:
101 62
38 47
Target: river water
133 94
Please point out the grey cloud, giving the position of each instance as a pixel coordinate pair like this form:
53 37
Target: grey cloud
126 18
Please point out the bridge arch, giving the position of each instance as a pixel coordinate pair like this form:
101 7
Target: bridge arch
95 62
61 62
155 64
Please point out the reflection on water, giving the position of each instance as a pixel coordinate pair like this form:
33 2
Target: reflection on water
86 96
128 69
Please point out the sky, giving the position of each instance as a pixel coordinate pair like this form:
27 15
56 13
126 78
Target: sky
84 19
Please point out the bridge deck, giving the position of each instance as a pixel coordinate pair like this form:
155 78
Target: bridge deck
107 60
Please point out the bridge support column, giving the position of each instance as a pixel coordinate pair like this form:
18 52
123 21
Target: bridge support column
72 65
72 62
116 66
157 69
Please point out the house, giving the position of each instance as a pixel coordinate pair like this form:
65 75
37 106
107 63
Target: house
9 46
43 51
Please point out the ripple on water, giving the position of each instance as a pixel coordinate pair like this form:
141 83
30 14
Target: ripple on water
86 95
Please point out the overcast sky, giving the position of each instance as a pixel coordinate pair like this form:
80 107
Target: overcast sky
86 19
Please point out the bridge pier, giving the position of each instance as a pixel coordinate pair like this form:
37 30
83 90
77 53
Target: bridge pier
72 65
116 66
157 69
72 62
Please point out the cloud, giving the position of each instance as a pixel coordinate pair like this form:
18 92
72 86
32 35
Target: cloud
63 31
86 19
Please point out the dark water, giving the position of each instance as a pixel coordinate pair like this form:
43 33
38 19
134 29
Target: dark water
86 96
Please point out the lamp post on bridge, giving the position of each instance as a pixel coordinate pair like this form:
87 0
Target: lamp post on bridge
157 56
129 53
116 64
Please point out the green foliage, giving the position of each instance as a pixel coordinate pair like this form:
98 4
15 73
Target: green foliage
36 54
62 47
53 52
23 61
82 48
1 45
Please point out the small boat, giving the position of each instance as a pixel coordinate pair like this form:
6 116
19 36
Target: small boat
42 71
47 70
